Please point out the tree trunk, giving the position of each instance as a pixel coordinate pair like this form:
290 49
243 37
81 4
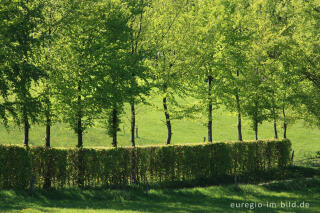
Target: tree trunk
239 127
114 127
47 178
79 132
168 122
79 127
80 140
26 131
133 123
275 129
239 112
239 119
209 109
284 123
256 129
48 131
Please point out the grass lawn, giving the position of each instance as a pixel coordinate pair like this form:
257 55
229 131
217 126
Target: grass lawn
198 199
152 130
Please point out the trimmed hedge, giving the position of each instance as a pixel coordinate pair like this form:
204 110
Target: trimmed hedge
154 164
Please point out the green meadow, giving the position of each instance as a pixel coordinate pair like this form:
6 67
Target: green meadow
152 130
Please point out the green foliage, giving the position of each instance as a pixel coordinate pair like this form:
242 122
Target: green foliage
305 57
78 61
72 82
154 164
19 39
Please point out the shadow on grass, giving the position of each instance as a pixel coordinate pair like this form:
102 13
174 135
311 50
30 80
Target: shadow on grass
208 199
176 197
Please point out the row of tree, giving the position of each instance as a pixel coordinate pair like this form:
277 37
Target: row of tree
80 61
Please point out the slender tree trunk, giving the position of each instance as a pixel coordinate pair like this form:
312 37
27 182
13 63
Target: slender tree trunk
239 119
239 127
210 123
133 123
284 123
239 112
79 128
168 122
80 140
114 127
47 178
275 129
26 131
209 109
48 131
256 129
79 132
274 112
48 121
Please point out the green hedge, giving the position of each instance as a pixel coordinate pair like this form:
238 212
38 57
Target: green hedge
153 164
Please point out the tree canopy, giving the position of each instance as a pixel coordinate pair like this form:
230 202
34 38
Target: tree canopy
80 62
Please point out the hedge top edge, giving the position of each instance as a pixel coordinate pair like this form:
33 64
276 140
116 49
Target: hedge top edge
152 146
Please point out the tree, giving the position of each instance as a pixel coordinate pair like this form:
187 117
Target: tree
115 69
50 25
307 56
271 44
4 70
202 48
138 84
162 36
20 21
256 103
277 30
238 31
73 81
